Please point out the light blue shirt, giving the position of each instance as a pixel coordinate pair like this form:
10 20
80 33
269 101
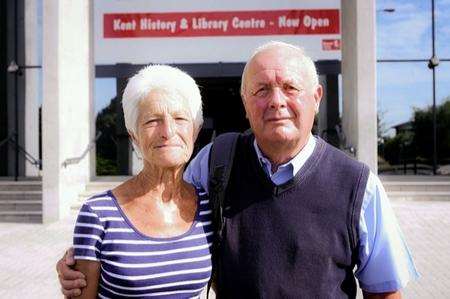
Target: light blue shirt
385 263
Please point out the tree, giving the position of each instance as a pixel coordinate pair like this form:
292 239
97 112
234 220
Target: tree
106 147
417 144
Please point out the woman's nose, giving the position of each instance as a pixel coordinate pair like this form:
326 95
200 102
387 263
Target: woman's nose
168 128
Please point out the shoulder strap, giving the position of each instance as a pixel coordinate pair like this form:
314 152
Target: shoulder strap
221 158
221 161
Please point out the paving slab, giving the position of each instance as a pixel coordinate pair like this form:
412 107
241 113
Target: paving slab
28 252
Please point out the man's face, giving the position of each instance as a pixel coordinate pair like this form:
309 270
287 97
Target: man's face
279 107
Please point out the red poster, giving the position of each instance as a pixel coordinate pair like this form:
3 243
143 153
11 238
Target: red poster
224 23
331 44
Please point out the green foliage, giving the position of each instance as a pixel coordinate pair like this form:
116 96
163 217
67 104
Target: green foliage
423 131
106 148
417 144
398 148
106 166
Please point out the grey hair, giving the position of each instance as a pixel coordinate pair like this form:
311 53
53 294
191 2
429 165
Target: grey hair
172 81
305 63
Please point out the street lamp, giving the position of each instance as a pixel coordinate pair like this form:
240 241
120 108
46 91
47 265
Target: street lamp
15 69
388 10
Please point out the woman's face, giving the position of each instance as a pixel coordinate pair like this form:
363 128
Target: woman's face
165 131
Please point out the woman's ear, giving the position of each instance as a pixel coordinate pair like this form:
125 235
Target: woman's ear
132 137
196 132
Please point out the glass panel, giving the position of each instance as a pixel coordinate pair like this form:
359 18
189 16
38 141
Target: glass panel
442 11
106 105
405 32
443 118
404 92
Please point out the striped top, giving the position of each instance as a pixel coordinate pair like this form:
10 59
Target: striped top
139 266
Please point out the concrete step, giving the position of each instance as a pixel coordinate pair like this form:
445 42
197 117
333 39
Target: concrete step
20 205
99 185
20 195
21 201
20 186
420 195
21 216
417 186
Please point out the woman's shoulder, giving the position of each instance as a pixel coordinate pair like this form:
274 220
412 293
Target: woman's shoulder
100 202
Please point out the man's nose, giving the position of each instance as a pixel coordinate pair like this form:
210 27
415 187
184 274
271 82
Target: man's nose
168 128
277 98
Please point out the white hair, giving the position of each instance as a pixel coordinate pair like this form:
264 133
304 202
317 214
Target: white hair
305 63
171 81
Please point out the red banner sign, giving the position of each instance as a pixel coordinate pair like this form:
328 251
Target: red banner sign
225 23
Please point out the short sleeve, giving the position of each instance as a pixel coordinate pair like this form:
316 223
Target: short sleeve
88 235
385 263
197 171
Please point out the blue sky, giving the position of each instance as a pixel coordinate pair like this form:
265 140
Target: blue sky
406 34
403 34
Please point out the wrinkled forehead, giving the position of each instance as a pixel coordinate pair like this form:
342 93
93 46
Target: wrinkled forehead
274 65
162 101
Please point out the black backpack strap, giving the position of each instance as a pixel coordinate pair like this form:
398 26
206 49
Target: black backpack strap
221 158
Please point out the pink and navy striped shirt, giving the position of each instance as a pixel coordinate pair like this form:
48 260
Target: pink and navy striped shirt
138 266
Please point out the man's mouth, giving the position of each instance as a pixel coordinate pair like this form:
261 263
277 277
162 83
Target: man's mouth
275 119
167 145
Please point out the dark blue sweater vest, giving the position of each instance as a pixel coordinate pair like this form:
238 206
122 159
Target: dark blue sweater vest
296 240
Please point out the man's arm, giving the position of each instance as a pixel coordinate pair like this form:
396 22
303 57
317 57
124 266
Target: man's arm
197 171
71 281
87 240
385 264
91 270
391 295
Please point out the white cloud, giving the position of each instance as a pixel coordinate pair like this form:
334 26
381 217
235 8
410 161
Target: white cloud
405 37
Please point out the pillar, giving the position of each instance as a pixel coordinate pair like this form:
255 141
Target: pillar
67 116
359 115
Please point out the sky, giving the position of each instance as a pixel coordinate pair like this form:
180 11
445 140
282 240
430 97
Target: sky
402 34
406 34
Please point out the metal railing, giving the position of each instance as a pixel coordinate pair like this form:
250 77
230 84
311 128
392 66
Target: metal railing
342 139
76 160
11 140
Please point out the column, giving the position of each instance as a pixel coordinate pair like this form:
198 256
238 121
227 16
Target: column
31 85
359 79
68 74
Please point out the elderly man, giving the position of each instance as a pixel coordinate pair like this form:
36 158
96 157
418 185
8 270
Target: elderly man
299 214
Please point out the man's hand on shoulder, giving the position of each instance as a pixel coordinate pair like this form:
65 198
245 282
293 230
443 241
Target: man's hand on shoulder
71 281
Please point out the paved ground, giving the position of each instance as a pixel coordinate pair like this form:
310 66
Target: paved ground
28 252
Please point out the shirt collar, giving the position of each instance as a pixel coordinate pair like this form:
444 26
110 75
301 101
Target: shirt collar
292 165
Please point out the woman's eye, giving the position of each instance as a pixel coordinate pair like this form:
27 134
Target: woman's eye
151 122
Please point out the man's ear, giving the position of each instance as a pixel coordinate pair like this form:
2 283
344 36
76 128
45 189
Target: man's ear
245 104
318 93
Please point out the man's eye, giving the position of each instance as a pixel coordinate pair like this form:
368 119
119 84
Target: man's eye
262 91
181 118
291 88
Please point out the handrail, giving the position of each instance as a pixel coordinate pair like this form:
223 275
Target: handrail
29 157
76 160
343 139
4 141
36 162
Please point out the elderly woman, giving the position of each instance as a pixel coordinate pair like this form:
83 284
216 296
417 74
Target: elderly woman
150 236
